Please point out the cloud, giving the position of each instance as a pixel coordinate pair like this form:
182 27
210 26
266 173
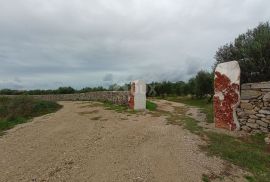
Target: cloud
108 78
46 44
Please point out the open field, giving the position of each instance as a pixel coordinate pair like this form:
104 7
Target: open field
87 141
21 109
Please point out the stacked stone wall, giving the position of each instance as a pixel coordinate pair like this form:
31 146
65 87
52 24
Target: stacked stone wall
116 97
254 110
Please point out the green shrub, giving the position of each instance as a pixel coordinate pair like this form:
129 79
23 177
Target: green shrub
151 106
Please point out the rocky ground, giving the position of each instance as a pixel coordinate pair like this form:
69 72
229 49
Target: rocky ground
85 142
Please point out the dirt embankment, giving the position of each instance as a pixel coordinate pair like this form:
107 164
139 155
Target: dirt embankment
85 142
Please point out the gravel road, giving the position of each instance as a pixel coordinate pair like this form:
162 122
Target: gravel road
85 142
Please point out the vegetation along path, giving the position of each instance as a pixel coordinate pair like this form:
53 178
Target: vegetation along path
87 141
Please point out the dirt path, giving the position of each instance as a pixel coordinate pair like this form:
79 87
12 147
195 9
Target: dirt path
85 142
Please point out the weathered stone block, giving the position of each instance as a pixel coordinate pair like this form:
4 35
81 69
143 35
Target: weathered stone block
267 140
261 115
266 97
265 120
253 117
246 128
250 94
246 105
256 131
264 112
246 86
265 90
242 114
227 97
242 120
251 120
253 125
250 112
264 130
261 123
262 85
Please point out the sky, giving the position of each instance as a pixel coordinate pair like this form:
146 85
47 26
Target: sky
86 43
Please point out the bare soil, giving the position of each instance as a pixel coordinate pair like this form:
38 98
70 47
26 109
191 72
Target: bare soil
85 142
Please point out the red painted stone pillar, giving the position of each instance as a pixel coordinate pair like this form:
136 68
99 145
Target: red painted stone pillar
137 95
227 95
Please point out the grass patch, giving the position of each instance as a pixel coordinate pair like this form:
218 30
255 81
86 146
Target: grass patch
185 121
203 104
115 107
192 125
20 109
151 106
205 178
250 153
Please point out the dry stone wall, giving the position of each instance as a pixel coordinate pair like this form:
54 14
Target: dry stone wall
254 111
116 97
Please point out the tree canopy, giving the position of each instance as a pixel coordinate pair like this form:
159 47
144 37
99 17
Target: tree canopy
252 51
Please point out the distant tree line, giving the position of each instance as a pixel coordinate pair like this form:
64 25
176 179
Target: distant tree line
60 90
63 90
200 86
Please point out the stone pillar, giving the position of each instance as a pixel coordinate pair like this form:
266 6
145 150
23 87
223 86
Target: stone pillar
137 96
227 95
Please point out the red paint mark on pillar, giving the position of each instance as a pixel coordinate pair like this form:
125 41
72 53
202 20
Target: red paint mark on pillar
225 100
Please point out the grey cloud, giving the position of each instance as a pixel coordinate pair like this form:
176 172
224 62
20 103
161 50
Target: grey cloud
108 78
46 44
